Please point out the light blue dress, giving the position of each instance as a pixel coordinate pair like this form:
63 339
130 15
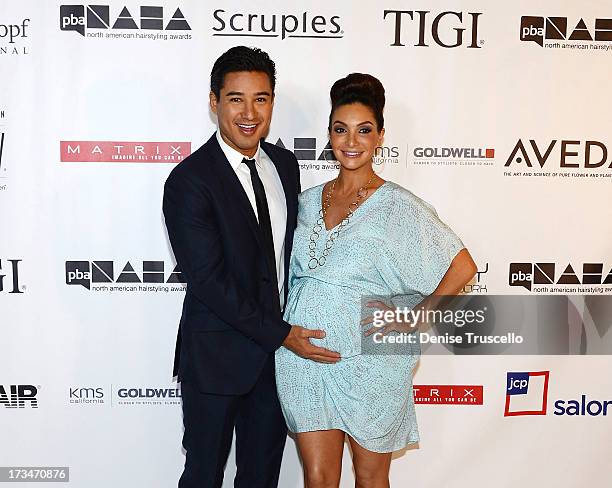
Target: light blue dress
394 244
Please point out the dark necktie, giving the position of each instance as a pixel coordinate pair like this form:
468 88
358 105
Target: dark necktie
265 226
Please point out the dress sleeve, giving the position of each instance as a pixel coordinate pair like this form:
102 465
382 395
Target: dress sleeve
420 247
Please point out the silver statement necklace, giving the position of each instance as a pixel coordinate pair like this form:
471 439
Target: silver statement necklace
315 261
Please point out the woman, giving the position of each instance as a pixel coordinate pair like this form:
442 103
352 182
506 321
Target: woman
358 236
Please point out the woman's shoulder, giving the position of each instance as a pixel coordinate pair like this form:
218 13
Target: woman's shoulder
405 199
311 194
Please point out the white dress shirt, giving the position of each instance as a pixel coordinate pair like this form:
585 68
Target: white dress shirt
277 205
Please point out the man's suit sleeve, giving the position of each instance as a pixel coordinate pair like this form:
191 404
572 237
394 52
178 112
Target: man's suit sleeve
299 183
197 246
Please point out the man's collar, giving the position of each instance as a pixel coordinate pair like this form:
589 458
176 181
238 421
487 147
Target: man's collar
235 157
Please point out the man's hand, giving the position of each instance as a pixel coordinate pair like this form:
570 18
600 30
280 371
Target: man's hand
298 341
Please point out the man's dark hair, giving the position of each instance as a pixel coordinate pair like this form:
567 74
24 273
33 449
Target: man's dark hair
241 58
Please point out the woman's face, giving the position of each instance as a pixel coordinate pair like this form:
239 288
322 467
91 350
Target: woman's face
354 136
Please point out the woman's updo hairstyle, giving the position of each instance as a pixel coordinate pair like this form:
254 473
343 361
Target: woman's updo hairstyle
359 88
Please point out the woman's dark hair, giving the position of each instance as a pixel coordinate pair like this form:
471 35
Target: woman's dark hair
359 88
241 58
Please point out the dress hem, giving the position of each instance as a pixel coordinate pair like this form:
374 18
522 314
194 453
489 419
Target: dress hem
401 446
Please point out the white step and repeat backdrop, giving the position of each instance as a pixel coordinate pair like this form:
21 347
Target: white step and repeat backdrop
498 114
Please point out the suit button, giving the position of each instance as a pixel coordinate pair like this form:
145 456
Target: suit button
266 280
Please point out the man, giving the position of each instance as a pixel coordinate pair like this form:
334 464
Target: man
230 210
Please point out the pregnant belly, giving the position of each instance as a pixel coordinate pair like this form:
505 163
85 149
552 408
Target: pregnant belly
314 304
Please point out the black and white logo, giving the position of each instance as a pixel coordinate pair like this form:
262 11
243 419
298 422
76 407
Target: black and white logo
86 395
549 280
447 29
553 32
18 396
462 156
100 276
310 155
385 155
567 158
479 284
83 18
147 396
13 38
2 157
9 276
2 134
281 26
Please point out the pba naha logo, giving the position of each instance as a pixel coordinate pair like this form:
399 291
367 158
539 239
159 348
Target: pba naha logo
541 29
78 18
100 276
314 156
305 149
529 274
526 393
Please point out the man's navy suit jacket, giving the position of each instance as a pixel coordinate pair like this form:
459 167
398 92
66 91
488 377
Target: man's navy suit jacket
229 323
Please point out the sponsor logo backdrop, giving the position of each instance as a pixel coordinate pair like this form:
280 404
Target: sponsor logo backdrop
497 114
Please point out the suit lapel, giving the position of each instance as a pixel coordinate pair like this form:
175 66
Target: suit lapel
233 187
290 190
236 193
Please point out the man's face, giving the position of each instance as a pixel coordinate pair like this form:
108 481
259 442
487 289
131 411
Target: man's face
244 109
